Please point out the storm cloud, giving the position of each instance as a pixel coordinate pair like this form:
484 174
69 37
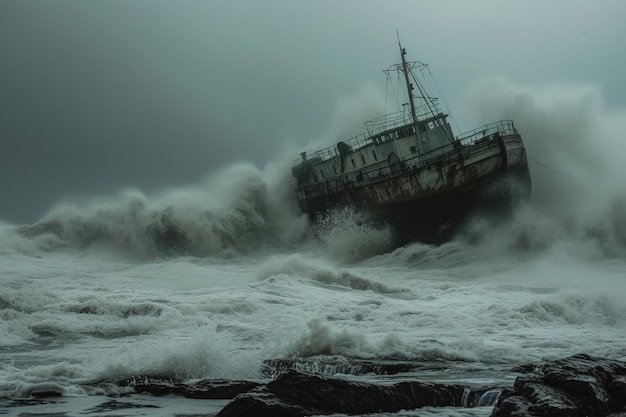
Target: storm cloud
98 96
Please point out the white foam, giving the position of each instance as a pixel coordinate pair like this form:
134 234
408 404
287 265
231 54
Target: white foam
74 309
235 211
350 236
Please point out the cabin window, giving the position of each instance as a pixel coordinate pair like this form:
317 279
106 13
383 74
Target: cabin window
314 176
363 159
374 155
353 164
334 170
322 174
413 149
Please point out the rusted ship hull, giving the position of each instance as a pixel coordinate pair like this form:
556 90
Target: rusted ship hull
429 201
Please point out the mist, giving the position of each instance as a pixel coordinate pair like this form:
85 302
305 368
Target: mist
574 141
97 98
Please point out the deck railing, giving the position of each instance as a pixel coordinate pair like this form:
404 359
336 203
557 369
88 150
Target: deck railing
469 144
388 122
401 118
503 127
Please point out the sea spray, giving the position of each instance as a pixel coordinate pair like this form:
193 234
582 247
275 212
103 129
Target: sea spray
351 236
203 356
574 142
593 234
235 211
575 146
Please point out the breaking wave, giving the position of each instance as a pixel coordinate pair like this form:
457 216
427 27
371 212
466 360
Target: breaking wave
235 212
321 338
323 274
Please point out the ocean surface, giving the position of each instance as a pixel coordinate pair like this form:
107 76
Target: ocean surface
212 280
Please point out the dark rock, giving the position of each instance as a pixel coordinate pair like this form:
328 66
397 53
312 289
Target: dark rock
330 365
44 394
300 394
259 403
204 389
580 385
340 396
617 390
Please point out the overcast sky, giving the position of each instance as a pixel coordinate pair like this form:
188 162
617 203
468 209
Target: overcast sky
96 96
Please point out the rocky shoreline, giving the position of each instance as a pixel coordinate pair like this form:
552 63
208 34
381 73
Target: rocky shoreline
580 385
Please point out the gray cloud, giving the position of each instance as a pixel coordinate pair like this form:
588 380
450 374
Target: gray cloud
97 96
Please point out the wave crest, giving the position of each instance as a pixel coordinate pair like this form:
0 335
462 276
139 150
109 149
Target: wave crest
237 212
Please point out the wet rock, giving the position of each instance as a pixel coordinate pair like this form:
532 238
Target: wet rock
204 389
297 393
330 365
580 385
45 394
261 402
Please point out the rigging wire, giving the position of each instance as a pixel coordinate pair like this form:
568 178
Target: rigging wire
386 94
396 92
428 99
444 100
547 167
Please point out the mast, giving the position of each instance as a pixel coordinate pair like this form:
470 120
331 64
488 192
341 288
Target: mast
409 89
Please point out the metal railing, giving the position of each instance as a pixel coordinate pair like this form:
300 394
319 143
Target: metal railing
503 127
330 152
470 144
388 122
